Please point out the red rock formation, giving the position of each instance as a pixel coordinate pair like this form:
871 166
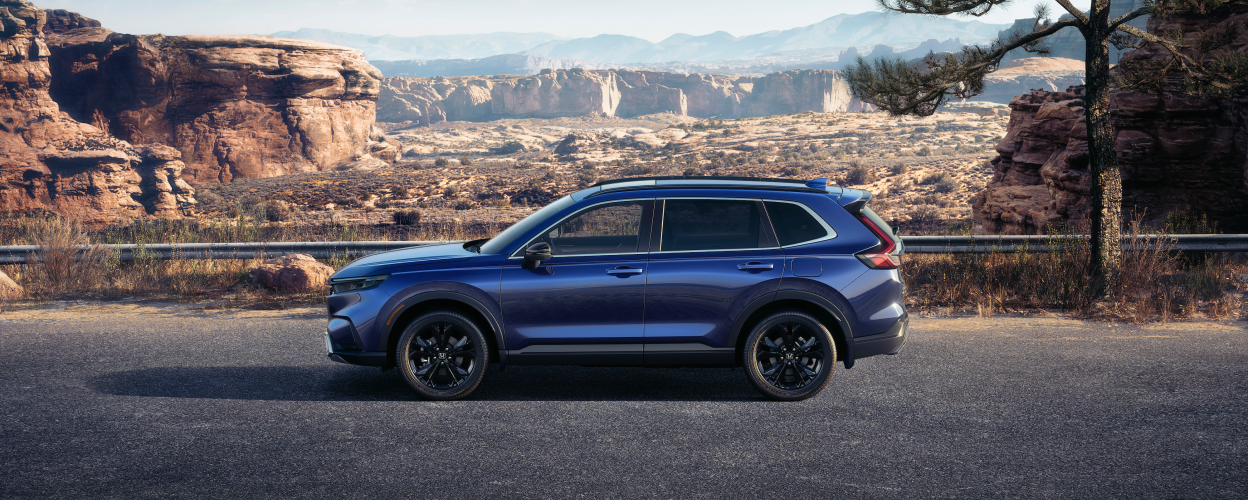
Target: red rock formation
624 93
234 106
1176 153
49 162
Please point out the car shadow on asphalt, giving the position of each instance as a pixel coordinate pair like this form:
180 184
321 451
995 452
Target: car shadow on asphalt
342 383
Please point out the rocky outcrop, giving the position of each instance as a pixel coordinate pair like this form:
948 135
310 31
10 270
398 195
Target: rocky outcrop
623 93
51 163
234 106
61 20
1176 153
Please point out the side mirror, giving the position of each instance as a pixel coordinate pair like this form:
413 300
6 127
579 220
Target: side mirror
535 254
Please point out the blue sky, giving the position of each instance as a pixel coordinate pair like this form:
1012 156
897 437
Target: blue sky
649 19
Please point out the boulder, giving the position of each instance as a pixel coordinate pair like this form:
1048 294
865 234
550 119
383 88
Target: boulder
9 289
292 273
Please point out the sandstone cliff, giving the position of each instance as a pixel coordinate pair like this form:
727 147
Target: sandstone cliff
1175 152
234 106
50 162
624 93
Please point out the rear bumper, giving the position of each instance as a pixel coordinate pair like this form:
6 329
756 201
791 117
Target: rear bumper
362 358
889 342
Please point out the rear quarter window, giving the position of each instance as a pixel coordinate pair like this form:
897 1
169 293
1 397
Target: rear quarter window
794 223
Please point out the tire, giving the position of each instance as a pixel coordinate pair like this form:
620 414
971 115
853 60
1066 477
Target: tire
442 355
789 356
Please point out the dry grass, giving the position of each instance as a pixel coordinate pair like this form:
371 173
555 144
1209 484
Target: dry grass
1155 285
53 273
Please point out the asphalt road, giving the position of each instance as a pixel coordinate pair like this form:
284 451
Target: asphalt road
213 405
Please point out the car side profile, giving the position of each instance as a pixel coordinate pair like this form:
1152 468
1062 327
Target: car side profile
784 278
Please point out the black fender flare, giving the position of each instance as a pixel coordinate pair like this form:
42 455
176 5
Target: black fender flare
467 300
846 332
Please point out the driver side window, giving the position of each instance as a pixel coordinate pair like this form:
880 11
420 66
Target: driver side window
606 229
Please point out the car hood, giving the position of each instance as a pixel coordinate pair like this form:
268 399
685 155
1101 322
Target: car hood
429 254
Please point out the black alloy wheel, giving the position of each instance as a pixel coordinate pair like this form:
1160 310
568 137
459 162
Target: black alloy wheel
790 356
442 355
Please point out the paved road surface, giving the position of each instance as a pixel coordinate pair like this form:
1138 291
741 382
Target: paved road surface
185 404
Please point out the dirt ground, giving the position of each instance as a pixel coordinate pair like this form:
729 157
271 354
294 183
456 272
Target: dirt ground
918 168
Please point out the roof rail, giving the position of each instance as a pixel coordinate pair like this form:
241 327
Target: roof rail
697 178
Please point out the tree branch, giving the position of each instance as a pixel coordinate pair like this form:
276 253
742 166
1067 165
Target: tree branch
1170 45
900 88
1079 15
1142 11
942 7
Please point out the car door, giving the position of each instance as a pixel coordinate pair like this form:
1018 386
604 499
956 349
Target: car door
710 258
585 305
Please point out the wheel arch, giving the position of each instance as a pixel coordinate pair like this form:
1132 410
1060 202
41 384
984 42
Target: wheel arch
412 307
822 309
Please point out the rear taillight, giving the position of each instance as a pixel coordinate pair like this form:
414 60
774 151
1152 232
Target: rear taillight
884 255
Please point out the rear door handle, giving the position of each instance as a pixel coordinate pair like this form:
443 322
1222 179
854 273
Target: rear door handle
754 266
626 271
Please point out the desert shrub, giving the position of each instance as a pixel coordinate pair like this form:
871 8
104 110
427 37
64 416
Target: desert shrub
441 162
406 217
507 148
930 179
692 172
945 185
60 266
276 211
465 205
923 151
400 192
465 161
925 216
898 168
793 171
587 177
859 174
637 169
346 202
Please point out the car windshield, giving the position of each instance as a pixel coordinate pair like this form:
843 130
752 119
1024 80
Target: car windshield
498 243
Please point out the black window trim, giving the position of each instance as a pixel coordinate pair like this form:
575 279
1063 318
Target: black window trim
831 232
661 212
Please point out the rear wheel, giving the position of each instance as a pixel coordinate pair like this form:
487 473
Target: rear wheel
442 355
790 356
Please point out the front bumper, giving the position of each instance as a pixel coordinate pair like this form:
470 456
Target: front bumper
889 342
362 358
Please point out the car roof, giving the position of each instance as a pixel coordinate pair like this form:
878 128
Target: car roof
819 185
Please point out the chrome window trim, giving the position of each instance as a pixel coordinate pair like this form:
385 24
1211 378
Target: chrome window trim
574 214
663 219
831 232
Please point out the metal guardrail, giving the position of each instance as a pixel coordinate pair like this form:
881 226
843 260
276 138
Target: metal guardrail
325 250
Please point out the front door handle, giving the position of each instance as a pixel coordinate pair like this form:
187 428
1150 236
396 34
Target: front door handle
624 271
755 266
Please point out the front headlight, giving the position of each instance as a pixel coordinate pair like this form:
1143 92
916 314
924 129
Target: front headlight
344 285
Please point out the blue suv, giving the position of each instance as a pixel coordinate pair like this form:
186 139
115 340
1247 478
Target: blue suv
781 277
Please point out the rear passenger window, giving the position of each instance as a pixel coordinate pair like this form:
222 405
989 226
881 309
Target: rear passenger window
690 225
793 223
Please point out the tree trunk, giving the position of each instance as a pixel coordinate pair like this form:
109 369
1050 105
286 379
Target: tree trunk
1106 217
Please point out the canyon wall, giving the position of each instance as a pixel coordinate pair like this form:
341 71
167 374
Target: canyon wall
623 93
1176 153
51 163
234 106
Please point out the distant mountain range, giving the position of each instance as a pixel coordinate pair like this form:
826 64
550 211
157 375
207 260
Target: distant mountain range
835 33
397 48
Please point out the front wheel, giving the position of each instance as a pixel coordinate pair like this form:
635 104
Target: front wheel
442 355
790 356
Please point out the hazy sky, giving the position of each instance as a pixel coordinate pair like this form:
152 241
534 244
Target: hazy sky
649 19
